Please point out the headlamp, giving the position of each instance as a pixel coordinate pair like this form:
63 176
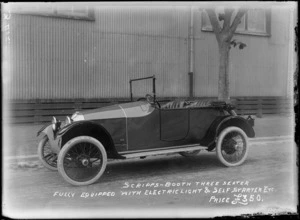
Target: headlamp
55 124
54 121
68 120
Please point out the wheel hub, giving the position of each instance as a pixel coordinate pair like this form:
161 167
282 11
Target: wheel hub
231 146
238 147
83 159
85 162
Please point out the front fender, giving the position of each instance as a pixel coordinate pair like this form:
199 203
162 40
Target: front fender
43 129
220 124
89 128
54 142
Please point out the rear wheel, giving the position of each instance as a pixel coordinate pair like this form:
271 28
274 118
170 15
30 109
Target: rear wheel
189 153
82 160
46 155
232 146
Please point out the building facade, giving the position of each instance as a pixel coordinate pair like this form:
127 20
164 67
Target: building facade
52 51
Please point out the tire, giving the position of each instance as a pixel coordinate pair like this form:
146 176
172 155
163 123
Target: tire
76 161
232 146
189 153
45 154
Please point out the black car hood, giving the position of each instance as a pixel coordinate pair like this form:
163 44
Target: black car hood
127 110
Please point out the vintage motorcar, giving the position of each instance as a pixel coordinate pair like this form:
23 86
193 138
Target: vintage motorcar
79 147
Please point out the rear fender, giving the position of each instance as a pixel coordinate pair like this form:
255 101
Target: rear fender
92 129
239 122
220 124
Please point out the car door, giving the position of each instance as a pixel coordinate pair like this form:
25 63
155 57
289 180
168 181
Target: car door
174 124
142 127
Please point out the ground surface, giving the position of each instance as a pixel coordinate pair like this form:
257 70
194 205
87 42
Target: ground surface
269 173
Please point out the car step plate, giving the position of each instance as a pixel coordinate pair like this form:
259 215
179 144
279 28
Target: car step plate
165 151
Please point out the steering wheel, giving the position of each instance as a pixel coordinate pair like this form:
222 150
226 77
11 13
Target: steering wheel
150 99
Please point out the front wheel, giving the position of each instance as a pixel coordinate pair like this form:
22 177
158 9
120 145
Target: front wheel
232 146
46 155
82 160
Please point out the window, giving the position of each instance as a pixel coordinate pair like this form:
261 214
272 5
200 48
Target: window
254 22
56 10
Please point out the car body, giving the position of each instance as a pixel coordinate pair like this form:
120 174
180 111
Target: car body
139 129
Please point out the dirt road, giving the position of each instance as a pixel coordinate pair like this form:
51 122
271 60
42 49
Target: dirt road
171 186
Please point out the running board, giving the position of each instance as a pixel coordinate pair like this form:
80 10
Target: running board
165 151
